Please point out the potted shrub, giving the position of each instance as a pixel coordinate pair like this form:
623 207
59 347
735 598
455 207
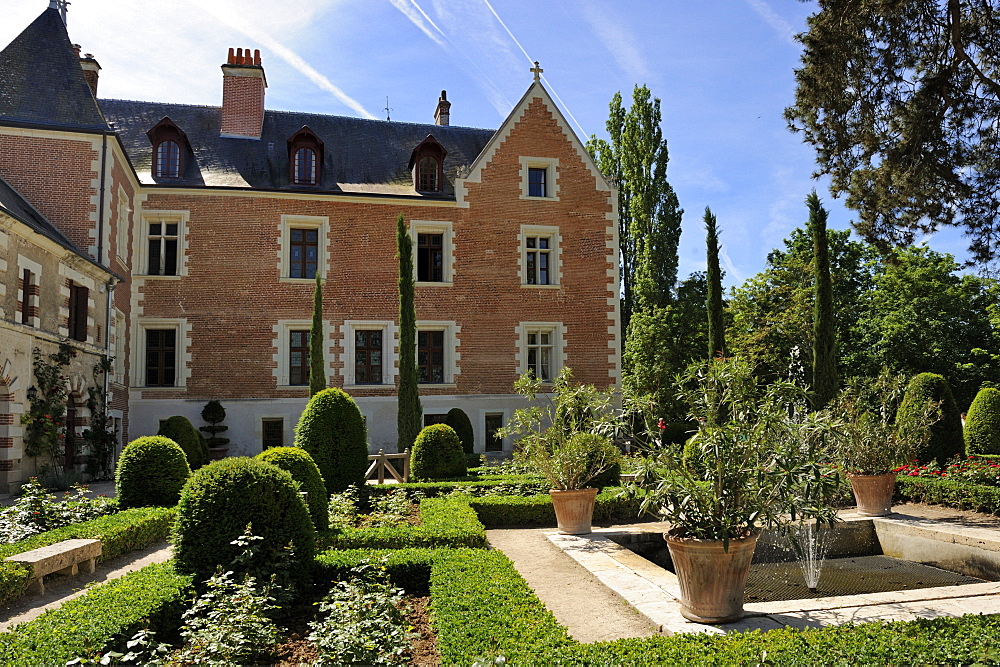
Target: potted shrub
756 463
567 436
872 443
215 414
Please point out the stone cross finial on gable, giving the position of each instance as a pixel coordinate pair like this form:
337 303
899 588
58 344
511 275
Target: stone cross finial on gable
537 71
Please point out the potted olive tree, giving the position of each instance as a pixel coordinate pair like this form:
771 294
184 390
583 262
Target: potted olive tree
567 437
754 462
873 443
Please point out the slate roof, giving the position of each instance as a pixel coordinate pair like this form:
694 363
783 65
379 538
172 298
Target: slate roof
42 83
360 156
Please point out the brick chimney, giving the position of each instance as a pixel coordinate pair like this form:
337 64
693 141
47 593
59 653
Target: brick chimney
90 68
243 85
443 111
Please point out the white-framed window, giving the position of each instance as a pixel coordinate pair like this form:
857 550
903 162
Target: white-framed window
302 247
162 244
369 352
117 341
121 238
437 352
540 261
162 352
541 349
292 345
433 252
539 178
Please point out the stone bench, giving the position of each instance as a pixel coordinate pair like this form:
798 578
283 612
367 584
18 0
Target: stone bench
59 558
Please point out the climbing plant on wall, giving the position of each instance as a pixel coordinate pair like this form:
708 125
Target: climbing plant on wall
44 422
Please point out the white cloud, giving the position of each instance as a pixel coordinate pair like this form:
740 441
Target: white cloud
617 40
775 20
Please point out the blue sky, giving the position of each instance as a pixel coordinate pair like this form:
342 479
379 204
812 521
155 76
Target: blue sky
722 68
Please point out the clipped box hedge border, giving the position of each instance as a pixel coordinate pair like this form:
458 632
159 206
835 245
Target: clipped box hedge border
496 511
433 489
119 533
952 493
444 522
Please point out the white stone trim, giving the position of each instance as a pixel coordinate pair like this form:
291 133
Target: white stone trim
555 255
4 238
282 335
390 350
558 332
614 290
447 248
36 271
123 226
452 354
551 167
183 359
141 266
287 430
69 273
117 336
480 429
289 222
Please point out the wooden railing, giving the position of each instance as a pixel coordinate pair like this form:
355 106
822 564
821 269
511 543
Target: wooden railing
380 464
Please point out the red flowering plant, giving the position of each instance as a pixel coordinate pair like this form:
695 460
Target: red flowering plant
972 470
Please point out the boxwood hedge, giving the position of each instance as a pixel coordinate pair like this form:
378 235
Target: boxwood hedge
444 522
953 493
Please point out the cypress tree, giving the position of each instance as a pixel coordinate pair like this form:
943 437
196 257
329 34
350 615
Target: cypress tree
317 376
716 331
408 411
824 376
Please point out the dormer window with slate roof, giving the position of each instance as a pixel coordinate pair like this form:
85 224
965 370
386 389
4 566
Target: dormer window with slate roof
170 146
305 157
426 162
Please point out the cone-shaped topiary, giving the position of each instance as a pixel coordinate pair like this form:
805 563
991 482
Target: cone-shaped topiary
304 471
458 420
437 454
218 503
982 423
150 473
946 439
183 432
332 430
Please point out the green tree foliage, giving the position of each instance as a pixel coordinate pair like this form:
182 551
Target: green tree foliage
824 375
716 326
408 410
304 471
221 500
458 420
900 100
317 370
635 157
182 431
151 472
437 454
982 423
332 430
946 440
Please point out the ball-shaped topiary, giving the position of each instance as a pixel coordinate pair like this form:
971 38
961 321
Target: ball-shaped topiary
304 471
183 432
151 472
222 499
946 439
982 423
437 454
332 430
458 420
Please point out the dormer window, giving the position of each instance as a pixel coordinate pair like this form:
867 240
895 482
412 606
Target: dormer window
427 164
170 146
305 158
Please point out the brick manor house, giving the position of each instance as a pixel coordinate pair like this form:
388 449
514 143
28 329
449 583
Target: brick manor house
183 241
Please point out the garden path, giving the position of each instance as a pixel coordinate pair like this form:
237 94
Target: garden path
590 610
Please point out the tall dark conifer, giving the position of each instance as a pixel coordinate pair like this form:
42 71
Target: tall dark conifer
716 327
824 375
408 411
317 374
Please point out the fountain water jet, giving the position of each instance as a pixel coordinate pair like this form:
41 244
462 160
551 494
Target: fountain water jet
810 542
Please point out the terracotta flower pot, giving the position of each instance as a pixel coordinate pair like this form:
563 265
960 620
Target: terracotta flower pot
712 580
574 510
873 493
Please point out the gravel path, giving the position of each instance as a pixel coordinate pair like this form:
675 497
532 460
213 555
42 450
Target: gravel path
590 610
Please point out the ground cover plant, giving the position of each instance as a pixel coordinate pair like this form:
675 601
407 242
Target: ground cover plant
36 511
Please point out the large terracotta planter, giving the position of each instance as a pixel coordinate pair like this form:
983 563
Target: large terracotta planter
574 510
873 493
712 579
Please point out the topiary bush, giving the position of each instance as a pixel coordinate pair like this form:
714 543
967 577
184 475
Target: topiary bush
332 430
222 499
437 453
982 423
183 432
946 439
458 420
304 471
151 472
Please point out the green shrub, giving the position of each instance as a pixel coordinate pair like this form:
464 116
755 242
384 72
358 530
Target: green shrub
332 430
677 433
444 522
304 471
222 499
982 423
458 420
410 568
946 439
952 493
183 432
151 472
437 454
497 511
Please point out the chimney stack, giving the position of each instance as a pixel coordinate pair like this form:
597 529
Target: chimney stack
90 68
243 85
443 111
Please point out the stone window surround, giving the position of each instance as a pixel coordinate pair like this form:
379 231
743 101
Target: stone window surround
141 265
183 352
558 332
282 336
447 249
289 222
452 356
34 299
390 351
555 255
551 167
